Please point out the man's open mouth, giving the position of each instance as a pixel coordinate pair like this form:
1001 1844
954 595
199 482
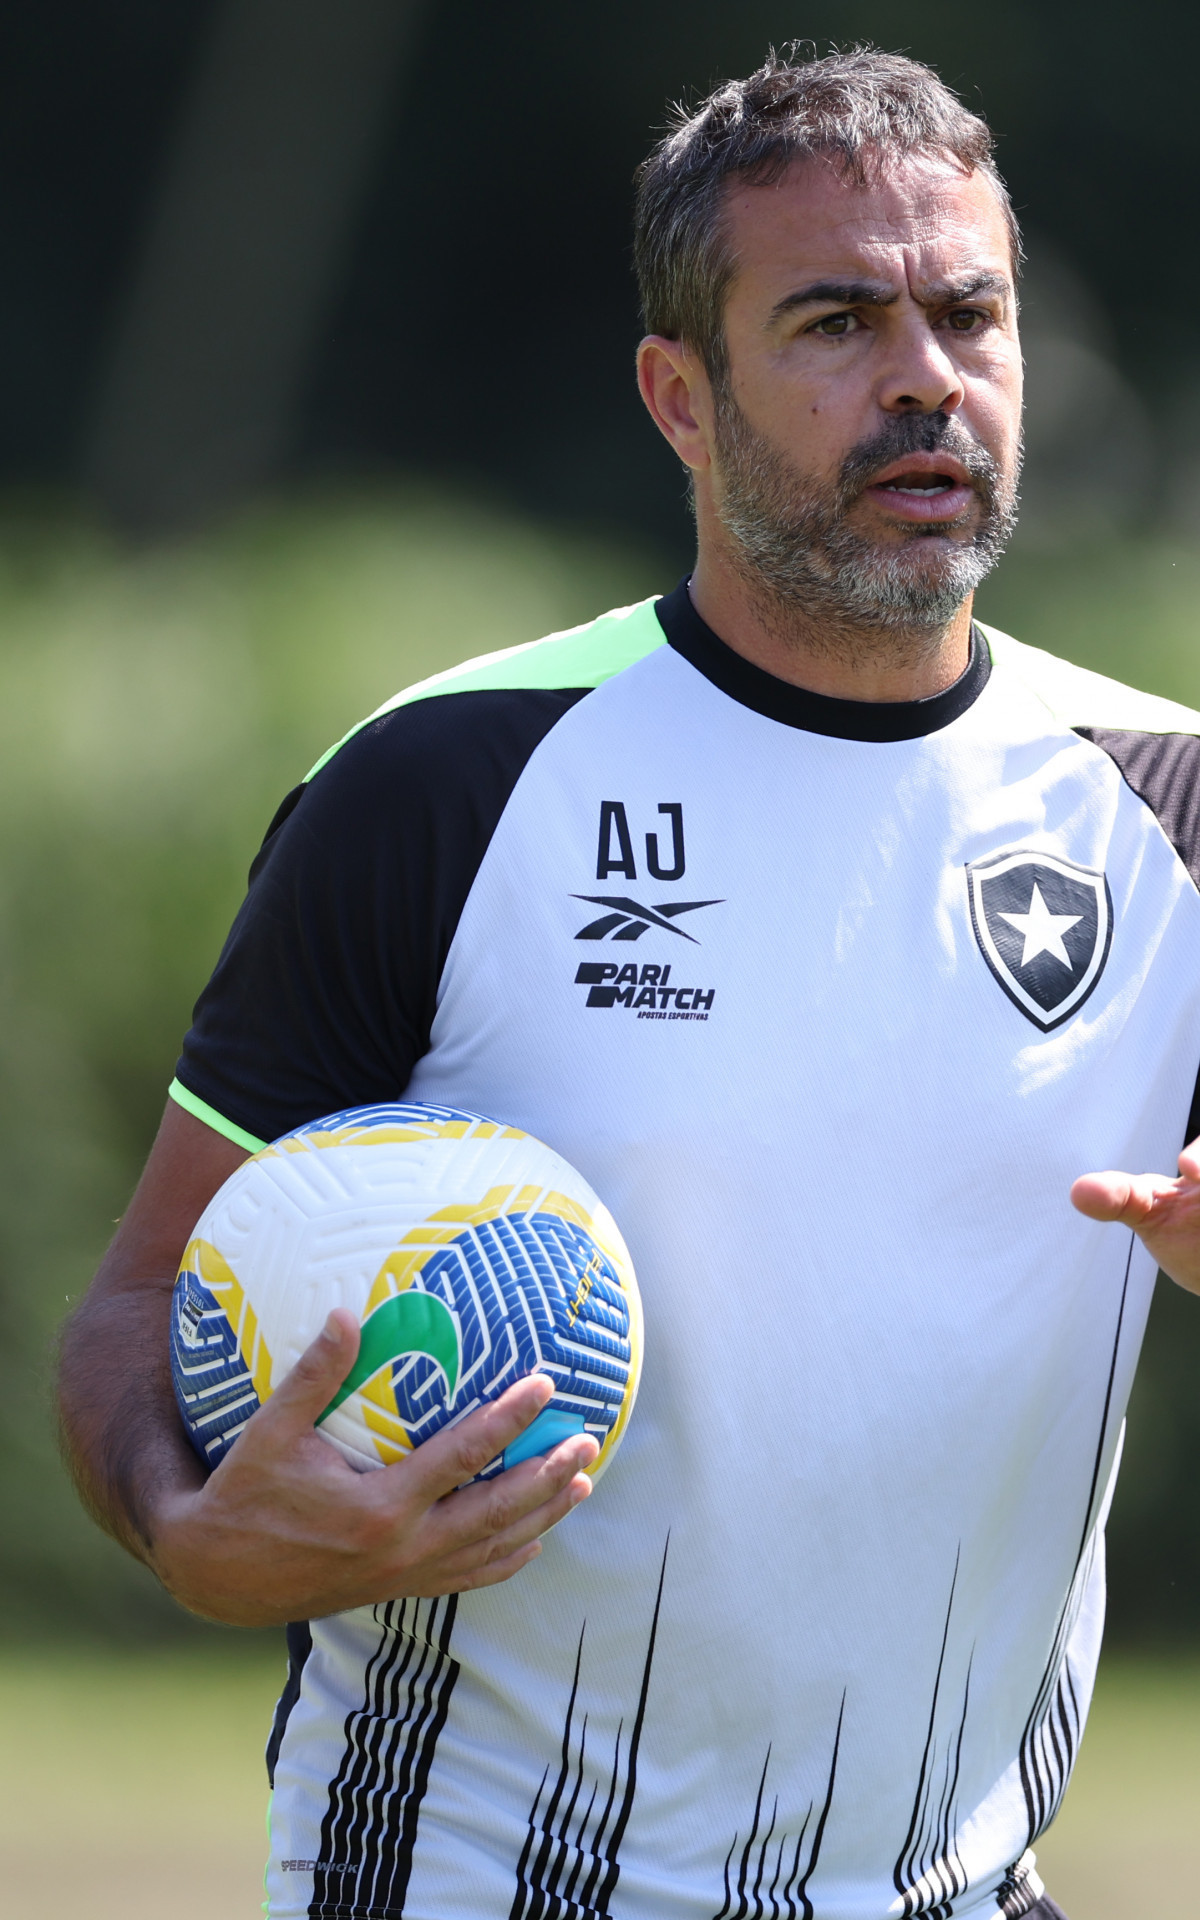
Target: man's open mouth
924 488
925 484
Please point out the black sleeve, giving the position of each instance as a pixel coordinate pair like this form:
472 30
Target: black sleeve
1163 769
326 989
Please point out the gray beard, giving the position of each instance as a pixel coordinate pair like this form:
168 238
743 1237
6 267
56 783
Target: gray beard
793 548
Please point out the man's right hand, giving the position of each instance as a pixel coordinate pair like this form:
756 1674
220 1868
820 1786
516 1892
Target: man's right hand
284 1529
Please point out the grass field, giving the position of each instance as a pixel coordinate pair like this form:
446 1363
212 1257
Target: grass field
133 1787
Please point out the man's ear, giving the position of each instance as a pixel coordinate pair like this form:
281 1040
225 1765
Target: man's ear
675 387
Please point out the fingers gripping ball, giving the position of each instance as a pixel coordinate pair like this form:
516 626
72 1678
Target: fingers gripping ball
471 1254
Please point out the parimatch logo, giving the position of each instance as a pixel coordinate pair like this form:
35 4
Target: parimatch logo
647 991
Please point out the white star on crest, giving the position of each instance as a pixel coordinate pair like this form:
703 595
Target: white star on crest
1042 929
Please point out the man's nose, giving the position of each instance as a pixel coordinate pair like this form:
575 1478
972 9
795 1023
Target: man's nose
918 374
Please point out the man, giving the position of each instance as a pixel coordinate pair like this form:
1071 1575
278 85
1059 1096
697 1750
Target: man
831 937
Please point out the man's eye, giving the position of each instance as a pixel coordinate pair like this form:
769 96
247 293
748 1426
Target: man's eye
965 320
835 324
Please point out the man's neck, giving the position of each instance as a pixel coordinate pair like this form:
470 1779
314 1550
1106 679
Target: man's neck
847 663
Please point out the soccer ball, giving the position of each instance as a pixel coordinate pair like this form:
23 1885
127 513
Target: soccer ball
471 1254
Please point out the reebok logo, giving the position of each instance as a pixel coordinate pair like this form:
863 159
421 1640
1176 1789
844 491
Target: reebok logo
629 921
647 991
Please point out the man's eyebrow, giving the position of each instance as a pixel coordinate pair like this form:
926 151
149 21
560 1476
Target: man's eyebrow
838 293
950 293
877 293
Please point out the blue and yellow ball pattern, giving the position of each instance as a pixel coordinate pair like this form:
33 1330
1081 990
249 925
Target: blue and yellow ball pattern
471 1253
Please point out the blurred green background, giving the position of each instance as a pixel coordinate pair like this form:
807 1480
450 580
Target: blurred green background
316 327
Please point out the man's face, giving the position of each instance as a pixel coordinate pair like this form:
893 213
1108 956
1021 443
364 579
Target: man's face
867 438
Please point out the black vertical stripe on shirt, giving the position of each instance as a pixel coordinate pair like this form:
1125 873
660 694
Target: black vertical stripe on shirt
299 1646
1055 1724
369 1830
791 1866
569 1867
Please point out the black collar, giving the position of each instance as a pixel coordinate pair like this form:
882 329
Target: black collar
816 712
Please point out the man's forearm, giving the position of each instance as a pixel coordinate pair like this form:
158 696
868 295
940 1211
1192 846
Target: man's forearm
121 1432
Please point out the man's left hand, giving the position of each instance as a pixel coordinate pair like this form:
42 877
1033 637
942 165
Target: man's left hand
1165 1213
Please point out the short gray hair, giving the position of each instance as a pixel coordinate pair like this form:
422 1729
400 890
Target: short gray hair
859 109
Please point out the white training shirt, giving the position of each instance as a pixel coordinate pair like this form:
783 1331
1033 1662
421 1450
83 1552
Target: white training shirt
830 1002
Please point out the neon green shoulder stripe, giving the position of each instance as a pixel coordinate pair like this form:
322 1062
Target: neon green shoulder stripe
581 657
191 1103
1080 698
